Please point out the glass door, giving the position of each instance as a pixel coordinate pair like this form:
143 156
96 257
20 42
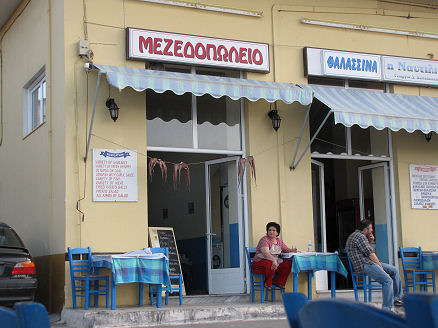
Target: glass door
375 206
224 227
319 221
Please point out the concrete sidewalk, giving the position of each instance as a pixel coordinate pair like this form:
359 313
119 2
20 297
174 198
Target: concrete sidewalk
198 312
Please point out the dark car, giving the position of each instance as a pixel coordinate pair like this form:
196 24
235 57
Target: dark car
18 280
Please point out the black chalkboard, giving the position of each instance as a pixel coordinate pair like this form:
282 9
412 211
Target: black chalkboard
164 237
167 239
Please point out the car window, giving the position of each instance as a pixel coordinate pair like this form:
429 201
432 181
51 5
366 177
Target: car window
8 237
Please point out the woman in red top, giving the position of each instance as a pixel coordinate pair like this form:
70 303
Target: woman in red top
266 260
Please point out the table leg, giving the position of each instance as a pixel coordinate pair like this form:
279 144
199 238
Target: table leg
159 296
140 294
96 296
309 284
295 281
333 283
113 293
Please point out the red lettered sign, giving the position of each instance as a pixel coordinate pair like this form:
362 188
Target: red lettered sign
196 50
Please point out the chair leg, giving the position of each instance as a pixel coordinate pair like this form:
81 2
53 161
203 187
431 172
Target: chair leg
87 294
96 296
73 293
107 287
252 291
166 298
262 296
180 291
433 282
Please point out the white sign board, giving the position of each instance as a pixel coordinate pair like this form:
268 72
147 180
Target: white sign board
424 186
363 66
196 50
350 64
114 175
408 70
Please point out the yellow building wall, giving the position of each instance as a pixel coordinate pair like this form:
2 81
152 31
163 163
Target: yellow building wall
280 194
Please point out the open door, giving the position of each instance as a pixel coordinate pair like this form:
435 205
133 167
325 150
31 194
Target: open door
374 190
225 258
319 219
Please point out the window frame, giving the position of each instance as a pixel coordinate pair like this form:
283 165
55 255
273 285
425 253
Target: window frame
37 82
195 147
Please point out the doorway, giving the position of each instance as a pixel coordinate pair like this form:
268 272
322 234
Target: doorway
345 191
207 220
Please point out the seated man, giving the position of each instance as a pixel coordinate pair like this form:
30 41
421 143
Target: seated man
364 260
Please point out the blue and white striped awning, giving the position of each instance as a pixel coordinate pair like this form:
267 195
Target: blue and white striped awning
380 110
180 83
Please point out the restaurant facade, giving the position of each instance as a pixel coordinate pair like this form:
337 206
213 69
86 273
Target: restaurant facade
118 116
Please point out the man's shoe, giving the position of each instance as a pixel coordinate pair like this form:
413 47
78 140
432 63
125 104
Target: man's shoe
268 287
398 303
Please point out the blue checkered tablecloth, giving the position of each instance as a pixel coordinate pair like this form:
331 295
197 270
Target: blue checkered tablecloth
316 262
430 261
126 269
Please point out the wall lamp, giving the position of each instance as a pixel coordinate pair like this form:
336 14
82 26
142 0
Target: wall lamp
113 108
428 136
276 119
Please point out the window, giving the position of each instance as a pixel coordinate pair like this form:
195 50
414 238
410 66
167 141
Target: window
35 96
187 121
336 139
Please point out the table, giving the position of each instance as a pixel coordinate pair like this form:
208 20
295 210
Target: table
135 267
430 260
312 262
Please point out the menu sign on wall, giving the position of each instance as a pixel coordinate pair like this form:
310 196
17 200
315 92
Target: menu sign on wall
196 50
424 186
114 175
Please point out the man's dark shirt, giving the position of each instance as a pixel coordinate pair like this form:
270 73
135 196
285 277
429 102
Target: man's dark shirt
359 250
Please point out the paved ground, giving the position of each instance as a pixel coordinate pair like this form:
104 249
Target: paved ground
275 323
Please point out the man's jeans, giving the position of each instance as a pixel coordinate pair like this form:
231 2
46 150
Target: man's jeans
390 280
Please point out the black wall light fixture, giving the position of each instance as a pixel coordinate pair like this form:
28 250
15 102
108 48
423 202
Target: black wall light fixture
113 108
428 136
273 115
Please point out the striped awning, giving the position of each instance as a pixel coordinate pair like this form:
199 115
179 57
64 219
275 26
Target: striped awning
380 110
180 83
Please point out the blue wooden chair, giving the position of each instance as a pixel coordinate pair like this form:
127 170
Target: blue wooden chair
293 303
335 313
32 315
361 281
421 310
8 318
412 269
173 278
258 281
83 282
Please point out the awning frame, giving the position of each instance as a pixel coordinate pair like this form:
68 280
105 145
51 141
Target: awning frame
293 165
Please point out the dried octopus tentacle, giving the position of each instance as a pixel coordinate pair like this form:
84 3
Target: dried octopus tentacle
151 166
252 165
241 169
163 168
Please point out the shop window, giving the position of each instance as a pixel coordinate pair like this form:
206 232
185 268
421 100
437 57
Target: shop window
187 121
35 96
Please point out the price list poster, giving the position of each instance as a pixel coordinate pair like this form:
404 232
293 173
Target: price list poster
115 175
424 186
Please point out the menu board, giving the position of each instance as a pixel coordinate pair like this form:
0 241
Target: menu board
164 237
114 175
424 186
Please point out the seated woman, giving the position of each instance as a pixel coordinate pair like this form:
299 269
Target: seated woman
267 261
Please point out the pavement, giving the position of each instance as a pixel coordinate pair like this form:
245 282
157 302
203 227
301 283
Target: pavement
198 312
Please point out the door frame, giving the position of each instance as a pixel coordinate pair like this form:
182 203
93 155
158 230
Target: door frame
389 220
241 221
